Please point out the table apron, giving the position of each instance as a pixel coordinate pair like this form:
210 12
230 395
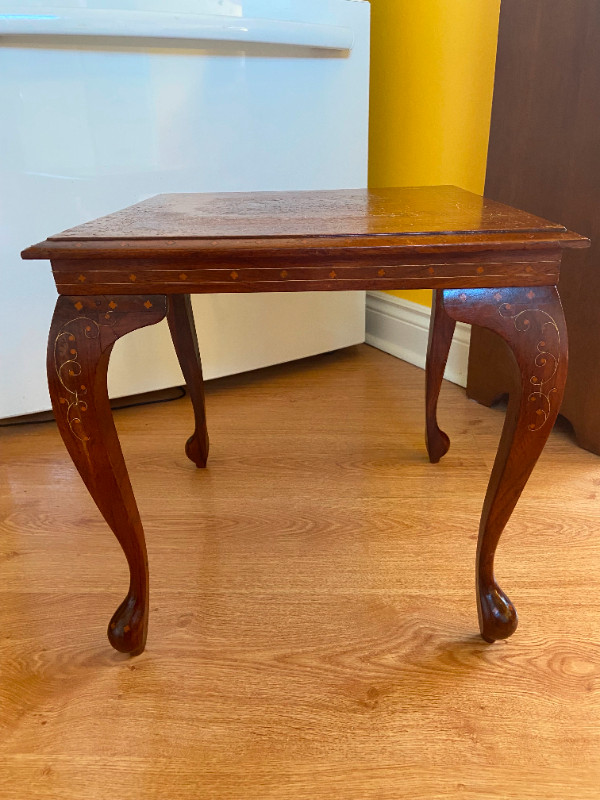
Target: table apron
196 276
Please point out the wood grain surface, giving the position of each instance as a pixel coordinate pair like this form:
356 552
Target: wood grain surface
533 326
313 621
551 118
397 238
82 335
309 268
356 212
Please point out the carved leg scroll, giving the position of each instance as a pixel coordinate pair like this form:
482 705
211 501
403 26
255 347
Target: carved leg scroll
441 330
183 333
82 335
532 323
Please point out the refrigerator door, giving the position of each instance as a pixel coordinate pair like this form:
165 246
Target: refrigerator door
107 103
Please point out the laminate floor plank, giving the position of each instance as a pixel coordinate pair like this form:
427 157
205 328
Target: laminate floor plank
313 621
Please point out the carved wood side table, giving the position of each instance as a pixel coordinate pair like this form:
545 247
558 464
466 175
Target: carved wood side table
488 263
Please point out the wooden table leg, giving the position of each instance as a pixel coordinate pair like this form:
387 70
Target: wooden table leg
531 321
183 333
82 335
441 330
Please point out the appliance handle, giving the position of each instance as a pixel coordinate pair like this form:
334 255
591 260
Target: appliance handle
169 25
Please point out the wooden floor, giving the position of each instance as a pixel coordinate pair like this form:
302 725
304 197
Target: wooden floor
313 626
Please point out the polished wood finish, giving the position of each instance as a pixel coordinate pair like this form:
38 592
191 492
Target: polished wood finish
312 633
82 335
441 330
172 245
343 269
183 332
543 157
430 237
532 323
418 210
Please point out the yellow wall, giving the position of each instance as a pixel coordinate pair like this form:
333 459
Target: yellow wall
432 75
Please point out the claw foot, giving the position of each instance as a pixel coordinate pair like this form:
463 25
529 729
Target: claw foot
497 615
128 627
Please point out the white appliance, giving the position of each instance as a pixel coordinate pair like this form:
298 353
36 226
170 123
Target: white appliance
107 103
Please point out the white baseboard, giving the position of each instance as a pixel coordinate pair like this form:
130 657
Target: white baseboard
401 328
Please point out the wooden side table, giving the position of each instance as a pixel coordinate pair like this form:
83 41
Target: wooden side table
490 265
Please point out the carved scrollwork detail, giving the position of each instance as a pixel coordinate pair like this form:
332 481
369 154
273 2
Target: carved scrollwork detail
540 324
73 360
68 369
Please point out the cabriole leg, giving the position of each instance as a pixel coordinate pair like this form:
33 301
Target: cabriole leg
441 330
531 321
183 333
82 335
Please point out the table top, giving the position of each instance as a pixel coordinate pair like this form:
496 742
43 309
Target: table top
354 212
425 211
421 237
